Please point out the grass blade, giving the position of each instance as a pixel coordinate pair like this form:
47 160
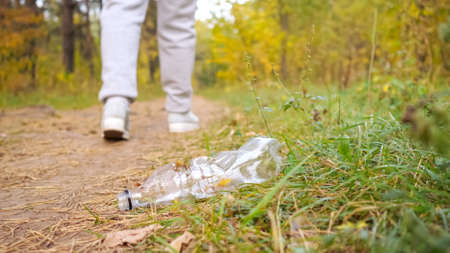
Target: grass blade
258 209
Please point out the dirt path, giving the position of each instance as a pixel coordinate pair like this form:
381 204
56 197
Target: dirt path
57 174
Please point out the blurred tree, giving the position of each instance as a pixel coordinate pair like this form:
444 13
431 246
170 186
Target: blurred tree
31 49
283 16
305 41
87 45
149 38
5 3
330 41
444 36
68 34
21 27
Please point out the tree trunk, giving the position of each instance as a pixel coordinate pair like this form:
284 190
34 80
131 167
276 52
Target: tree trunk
444 49
31 51
32 5
151 37
68 35
284 24
349 69
89 45
5 3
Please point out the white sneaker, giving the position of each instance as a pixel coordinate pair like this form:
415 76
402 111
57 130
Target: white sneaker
182 122
115 122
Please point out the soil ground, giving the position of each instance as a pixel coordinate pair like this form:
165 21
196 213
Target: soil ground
59 178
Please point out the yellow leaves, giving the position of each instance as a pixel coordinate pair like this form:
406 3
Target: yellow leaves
328 50
253 32
428 11
413 10
388 89
361 225
376 78
365 60
224 182
351 226
346 226
20 32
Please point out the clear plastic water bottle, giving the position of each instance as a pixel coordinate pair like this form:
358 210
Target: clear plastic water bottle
255 162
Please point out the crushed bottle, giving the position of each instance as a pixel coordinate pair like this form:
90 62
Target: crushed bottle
255 162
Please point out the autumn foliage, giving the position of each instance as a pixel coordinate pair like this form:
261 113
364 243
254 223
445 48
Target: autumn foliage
331 41
22 29
316 42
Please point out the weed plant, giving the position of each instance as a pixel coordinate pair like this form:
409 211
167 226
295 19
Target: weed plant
354 178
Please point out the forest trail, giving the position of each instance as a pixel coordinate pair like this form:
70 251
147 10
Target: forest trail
59 178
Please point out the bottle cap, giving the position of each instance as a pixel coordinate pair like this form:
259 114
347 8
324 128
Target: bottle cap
125 203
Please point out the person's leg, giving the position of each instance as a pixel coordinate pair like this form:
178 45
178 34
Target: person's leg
121 22
176 41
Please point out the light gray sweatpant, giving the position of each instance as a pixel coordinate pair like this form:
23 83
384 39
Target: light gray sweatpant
121 22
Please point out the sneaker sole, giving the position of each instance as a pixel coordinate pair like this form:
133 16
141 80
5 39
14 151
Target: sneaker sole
182 127
114 129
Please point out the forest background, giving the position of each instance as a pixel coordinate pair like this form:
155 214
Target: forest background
51 48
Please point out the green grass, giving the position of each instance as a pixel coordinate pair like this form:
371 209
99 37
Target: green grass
68 97
354 180
58 100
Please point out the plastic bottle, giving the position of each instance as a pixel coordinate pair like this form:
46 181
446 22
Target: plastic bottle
255 162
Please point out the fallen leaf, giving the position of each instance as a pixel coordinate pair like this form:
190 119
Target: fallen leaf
224 182
131 236
329 163
180 165
181 242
